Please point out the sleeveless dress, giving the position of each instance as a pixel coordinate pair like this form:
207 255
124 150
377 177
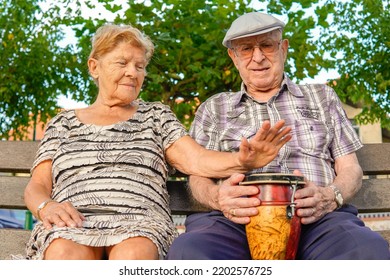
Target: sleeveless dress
115 175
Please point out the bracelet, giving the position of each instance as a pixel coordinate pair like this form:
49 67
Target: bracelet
41 206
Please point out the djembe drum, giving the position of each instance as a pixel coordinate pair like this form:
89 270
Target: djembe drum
274 233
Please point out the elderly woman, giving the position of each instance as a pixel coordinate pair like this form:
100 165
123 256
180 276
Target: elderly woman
98 185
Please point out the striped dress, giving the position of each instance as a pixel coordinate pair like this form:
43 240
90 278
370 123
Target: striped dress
115 175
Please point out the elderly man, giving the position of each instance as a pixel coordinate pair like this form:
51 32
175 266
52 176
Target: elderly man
322 150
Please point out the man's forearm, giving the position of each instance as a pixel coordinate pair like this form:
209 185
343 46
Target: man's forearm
349 177
349 183
205 191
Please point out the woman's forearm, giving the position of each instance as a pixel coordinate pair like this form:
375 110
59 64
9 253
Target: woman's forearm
191 158
38 190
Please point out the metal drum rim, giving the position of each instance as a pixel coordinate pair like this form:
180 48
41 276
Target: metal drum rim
299 180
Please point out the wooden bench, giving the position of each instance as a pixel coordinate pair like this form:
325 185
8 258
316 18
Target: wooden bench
16 158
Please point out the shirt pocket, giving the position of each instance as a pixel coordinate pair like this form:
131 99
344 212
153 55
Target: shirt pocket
230 138
312 137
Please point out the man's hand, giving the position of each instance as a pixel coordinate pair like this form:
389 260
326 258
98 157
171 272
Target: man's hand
234 200
313 202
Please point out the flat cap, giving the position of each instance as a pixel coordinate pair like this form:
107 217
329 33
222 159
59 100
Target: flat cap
251 24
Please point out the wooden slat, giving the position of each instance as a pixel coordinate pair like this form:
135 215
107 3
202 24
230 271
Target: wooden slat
12 189
17 156
374 196
180 199
13 242
375 158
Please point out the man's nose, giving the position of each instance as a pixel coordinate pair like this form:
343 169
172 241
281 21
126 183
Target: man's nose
257 55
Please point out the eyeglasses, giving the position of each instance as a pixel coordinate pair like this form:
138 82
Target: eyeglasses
266 47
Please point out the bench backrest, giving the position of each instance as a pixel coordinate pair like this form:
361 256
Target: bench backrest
16 157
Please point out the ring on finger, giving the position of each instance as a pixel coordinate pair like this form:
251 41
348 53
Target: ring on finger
313 210
232 212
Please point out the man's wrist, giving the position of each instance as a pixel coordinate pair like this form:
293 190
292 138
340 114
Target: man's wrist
338 197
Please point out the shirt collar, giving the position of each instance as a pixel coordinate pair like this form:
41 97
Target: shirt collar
292 87
236 98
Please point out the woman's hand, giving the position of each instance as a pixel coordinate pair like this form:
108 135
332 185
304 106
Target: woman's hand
264 146
61 214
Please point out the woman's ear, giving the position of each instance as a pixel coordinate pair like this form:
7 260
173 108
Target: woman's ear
93 68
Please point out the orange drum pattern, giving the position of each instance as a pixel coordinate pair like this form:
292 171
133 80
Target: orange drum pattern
274 233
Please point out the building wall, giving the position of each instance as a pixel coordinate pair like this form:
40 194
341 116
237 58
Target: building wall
371 133
368 133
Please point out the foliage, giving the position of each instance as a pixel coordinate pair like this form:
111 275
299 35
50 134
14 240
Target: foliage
361 51
34 70
190 64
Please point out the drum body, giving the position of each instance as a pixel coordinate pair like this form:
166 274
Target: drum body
274 233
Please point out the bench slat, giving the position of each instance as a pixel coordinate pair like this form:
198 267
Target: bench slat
374 196
17 156
374 158
13 241
12 189
180 199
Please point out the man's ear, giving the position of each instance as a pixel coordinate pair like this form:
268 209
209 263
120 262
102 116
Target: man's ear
285 45
233 56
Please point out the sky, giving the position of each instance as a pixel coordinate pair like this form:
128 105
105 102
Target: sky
67 103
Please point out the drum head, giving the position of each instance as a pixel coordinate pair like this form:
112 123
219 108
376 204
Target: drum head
276 178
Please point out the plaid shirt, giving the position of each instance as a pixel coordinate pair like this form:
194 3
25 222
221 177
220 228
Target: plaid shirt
320 128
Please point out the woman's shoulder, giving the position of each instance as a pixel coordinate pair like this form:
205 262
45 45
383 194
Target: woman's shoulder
152 106
67 116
